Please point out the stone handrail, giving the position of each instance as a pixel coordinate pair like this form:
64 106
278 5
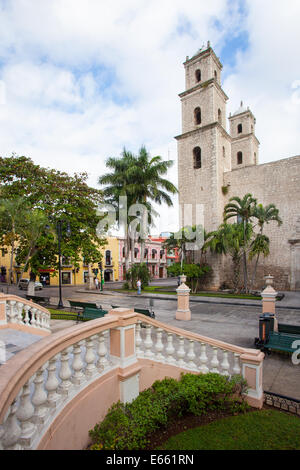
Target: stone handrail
23 314
37 386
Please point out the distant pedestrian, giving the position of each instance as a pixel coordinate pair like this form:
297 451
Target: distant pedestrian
96 283
178 281
139 285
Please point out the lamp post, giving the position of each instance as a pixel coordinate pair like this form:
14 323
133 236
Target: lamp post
59 235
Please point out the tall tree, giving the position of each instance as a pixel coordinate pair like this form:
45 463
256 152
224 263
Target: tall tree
260 245
139 178
12 213
243 210
229 239
149 185
60 197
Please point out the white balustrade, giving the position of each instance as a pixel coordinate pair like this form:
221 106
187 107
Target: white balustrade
39 398
225 364
148 342
52 384
215 362
138 339
65 373
90 357
24 414
170 349
181 352
191 356
103 362
78 364
12 429
159 345
236 368
26 318
203 359
21 313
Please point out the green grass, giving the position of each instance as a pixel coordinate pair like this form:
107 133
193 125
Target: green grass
62 315
257 430
160 290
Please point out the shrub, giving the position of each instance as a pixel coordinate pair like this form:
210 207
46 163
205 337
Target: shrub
127 426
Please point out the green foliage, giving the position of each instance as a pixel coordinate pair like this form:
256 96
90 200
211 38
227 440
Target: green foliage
138 271
127 427
193 272
57 196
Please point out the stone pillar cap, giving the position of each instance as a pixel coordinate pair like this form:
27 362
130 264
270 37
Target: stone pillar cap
183 288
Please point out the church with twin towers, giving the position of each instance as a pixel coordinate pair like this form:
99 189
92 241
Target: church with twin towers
217 162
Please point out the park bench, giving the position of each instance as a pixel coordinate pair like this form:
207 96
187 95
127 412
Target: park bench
289 329
144 311
281 342
91 314
38 299
82 305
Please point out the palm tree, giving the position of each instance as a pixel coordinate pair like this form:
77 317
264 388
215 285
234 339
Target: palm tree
229 239
264 215
117 185
139 178
243 209
149 186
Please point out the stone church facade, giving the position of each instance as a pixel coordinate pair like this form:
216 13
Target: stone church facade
215 164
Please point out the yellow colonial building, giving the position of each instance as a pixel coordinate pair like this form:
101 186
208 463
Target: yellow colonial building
70 274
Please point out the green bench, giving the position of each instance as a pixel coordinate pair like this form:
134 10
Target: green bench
83 305
289 329
144 311
38 299
281 342
91 314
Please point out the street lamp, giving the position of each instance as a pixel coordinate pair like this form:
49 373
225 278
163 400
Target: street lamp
59 226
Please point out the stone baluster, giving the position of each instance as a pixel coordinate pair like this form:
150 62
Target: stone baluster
38 318
138 339
33 317
65 373
26 318
102 363
90 357
12 311
203 359
24 414
12 429
191 355
215 361
148 342
52 384
159 345
39 398
19 311
77 365
225 364
236 367
170 349
181 352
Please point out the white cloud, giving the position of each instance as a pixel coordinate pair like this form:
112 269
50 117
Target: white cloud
83 79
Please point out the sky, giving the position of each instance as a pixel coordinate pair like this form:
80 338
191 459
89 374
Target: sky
82 79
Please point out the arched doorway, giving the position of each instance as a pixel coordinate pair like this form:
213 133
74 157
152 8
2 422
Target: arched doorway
108 275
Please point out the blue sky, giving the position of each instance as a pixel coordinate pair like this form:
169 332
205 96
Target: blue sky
82 79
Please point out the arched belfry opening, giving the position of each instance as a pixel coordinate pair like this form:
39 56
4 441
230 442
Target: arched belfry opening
198 75
197 116
197 157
